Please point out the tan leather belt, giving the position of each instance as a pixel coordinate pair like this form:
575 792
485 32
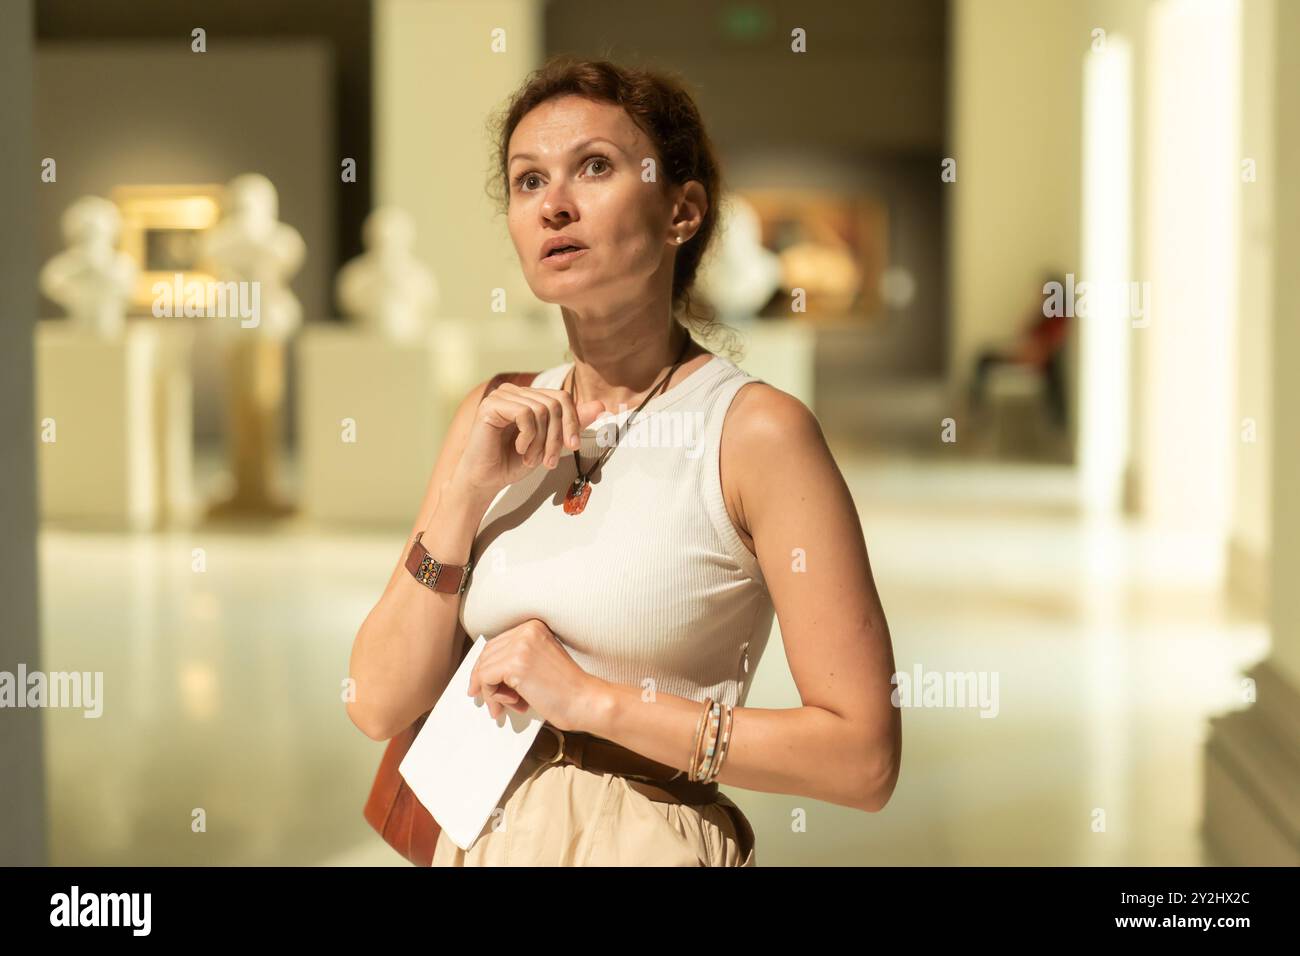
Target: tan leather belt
658 781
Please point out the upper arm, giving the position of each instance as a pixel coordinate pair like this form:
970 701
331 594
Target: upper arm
453 446
808 540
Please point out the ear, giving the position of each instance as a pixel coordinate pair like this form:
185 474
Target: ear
689 209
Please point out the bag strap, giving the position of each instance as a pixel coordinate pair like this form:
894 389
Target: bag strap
523 380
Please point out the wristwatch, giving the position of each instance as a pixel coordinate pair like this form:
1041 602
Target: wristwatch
436 576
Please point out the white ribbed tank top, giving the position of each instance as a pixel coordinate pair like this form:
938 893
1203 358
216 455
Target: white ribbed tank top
651 582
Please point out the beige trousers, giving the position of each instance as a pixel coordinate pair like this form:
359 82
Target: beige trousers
562 815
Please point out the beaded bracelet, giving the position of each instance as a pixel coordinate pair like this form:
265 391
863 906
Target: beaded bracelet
701 741
711 741
724 744
698 739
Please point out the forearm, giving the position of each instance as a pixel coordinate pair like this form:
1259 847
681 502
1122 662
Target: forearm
404 652
806 751
450 531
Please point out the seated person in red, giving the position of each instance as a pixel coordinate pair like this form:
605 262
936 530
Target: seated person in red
1038 346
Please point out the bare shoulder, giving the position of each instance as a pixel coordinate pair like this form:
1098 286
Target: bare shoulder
762 412
763 425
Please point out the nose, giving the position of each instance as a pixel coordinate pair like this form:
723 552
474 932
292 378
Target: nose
558 208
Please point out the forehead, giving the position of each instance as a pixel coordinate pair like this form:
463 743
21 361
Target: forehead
557 125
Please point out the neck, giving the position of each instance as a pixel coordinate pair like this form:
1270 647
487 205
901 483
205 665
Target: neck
618 364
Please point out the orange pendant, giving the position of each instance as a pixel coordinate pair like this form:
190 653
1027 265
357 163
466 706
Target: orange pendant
576 497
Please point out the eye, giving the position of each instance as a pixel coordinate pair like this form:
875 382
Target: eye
525 176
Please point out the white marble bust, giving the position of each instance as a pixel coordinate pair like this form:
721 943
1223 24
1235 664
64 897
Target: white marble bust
91 279
386 291
742 275
250 244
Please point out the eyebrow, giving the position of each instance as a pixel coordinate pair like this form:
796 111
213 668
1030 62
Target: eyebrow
573 149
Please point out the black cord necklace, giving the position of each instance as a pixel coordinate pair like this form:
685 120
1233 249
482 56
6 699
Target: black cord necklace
575 499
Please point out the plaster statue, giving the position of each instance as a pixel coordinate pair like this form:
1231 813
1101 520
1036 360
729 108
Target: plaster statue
742 275
91 279
250 244
386 291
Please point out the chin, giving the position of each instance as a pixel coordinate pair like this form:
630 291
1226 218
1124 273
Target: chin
559 293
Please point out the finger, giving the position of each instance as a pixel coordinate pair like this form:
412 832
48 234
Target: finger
528 433
563 424
539 452
568 417
554 431
506 699
546 444
490 679
506 693
478 682
534 450
503 410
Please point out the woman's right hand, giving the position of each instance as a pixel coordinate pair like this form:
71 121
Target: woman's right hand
516 429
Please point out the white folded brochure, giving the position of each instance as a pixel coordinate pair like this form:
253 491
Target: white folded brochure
462 760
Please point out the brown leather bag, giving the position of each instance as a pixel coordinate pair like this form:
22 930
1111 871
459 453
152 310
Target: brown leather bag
392 808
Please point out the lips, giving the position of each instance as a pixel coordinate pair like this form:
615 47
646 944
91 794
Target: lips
560 245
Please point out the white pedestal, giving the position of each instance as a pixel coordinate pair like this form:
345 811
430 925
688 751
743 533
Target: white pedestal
97 447
471 350
174 422
782 352
370 423
401 399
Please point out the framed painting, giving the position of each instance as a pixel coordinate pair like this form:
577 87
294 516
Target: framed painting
834 246
161 229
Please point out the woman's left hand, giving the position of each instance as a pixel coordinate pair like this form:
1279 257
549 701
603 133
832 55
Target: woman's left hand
527 666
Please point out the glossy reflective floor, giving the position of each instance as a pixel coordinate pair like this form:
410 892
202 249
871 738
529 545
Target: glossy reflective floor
222 688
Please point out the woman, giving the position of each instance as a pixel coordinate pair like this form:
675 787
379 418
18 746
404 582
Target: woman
629 607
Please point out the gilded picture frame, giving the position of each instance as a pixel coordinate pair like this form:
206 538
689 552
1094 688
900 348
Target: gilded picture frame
161 229
833 245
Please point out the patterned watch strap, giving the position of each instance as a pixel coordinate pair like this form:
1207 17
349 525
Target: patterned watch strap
435 575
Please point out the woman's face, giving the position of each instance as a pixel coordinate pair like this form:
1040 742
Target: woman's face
575 169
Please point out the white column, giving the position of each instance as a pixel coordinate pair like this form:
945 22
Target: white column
1015 101
1187 377
437 82
1104 332
1254 428
1252 756
1286 349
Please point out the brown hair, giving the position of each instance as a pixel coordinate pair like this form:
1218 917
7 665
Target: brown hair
660 105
